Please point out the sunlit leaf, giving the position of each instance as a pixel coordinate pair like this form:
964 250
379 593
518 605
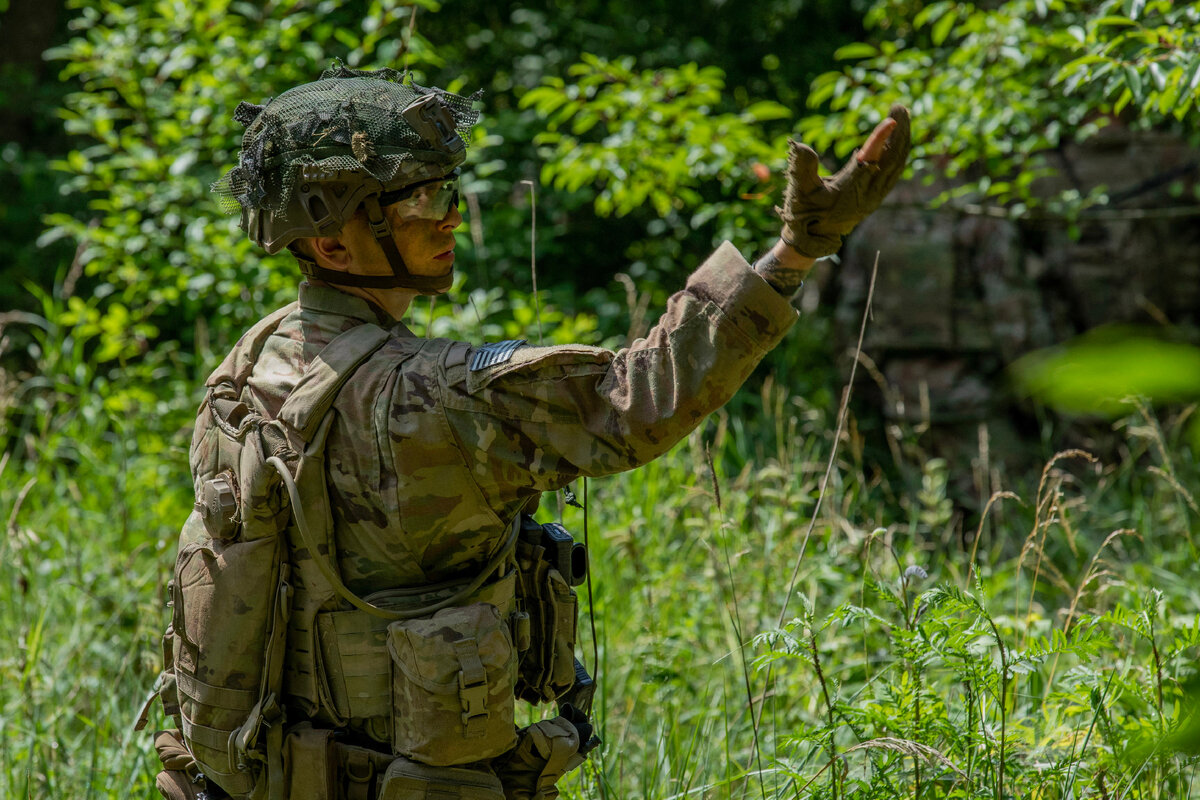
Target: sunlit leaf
1098 372
855 50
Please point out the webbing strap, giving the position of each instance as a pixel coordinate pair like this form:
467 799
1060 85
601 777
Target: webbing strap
425 284
214 738
276 644
467 652
359 772
218 696
472 688
314 393
273 679
275 786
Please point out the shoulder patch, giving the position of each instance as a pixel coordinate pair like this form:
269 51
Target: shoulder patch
494 353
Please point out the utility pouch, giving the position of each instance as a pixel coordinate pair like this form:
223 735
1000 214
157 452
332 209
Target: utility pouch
229 599
545 752
408 780
354 645
547 668
561 621
309 763
453 678
168 694
359 771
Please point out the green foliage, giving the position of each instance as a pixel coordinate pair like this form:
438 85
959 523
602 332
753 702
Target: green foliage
1107 369
92 477
29 186
1144 55
1049 667
763 51
496 314
158 85
949 697
656 136
996 89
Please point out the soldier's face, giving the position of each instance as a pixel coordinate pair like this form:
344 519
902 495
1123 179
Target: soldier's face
427 245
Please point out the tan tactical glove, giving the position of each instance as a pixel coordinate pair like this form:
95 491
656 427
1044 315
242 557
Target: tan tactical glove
817 212
178 779
545 752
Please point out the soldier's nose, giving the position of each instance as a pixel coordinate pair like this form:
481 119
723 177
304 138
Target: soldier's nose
452 219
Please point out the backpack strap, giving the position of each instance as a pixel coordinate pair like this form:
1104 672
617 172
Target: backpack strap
313 395
306 411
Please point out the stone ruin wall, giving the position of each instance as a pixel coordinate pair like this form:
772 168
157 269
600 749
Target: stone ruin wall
960 296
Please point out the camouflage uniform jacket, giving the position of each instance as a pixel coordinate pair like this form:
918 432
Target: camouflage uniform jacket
428 460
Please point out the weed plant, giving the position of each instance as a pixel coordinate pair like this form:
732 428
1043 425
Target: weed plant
1040 649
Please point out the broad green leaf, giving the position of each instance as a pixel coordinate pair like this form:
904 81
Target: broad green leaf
1133 80
942 28
1192 82
1100 371
855 51
1114 22
932 11
1156 74
766 110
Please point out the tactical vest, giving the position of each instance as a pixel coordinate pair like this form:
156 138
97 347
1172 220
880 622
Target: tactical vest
269 658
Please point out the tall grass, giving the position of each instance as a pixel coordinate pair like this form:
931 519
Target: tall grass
1052 670
92 478
1045 658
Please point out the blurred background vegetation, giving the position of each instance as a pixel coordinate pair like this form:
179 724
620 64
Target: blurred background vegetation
649 131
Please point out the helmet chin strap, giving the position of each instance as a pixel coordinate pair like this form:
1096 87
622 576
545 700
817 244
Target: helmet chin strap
400 278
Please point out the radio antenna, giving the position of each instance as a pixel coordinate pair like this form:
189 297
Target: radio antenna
537 304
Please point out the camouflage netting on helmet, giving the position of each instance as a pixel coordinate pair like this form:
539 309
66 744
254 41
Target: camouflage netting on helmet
348 120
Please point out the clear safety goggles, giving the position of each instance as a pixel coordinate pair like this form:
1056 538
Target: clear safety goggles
429 200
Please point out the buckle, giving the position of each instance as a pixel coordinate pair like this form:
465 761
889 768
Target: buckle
474 702
380 229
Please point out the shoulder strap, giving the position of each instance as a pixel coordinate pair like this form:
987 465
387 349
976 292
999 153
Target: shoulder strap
314 393
237 365
305 411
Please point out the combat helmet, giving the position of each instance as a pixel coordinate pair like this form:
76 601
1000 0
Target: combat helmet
316 153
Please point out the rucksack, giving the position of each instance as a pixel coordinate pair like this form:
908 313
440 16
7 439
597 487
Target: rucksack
256 568
231 591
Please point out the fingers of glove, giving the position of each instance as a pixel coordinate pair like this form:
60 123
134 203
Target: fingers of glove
901 139
175 785
803 170
895 152
864 185
171 751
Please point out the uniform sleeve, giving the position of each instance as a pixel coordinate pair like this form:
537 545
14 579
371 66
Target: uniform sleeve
551 414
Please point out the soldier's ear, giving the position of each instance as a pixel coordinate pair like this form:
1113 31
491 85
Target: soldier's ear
330 252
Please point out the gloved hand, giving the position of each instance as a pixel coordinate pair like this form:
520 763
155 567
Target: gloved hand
817 212
178 778
545 752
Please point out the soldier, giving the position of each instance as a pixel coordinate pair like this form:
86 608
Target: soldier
358 599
